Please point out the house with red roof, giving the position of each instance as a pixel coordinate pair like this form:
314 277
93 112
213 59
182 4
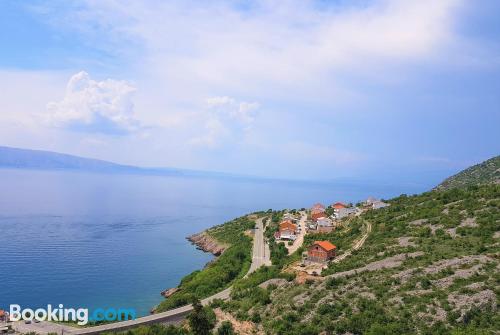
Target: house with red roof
318 206
321 252
287 231
317 215
339 205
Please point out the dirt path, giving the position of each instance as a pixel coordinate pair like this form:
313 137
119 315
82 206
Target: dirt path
358 244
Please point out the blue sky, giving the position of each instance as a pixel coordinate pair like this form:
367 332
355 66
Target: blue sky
383 90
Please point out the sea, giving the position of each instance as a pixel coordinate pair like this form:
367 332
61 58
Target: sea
90 240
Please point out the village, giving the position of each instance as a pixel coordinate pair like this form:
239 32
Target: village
317 220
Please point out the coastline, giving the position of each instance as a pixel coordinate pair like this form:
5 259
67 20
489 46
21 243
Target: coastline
203 241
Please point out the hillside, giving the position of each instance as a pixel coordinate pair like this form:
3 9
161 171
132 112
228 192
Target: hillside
487 172
429 265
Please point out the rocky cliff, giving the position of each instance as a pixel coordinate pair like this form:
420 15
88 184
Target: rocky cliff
207 243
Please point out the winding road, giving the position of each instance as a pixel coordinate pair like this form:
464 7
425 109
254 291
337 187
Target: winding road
260 257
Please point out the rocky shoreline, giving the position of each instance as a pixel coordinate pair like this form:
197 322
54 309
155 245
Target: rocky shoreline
205 242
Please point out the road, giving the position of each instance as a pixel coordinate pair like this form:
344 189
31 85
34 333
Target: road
300 238
260 257
260 252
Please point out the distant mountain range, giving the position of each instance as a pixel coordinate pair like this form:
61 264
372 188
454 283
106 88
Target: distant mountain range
15 158
487 172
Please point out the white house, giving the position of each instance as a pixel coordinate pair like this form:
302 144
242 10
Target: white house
370 201
343 212
324 222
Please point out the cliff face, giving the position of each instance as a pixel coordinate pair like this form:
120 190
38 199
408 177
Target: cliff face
207 243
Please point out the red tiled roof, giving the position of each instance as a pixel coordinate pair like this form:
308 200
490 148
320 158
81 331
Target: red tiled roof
339 205
316 216
325 245
317 211
318 205
287 224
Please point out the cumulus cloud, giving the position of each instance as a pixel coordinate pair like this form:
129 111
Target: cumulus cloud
95 106
226 118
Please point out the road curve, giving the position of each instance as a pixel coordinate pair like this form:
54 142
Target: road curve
260 257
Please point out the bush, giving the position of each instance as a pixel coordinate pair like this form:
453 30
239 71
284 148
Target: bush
226 328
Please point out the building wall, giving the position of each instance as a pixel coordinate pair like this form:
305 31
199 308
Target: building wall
318 254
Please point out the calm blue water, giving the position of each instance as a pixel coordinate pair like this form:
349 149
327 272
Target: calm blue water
101 240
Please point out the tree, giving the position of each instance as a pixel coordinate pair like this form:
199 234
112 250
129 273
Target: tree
226 328
201 319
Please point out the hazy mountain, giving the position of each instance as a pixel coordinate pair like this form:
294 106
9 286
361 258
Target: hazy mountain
15 158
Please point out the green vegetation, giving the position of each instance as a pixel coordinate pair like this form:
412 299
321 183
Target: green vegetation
487 172
226 328
230 232
219 274
201 319
452 288
429 266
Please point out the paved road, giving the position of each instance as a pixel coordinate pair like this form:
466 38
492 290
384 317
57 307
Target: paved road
260 252
260 257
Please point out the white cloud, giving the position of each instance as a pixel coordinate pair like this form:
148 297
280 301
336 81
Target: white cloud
95 106
244 112
274 47
308 62
226 119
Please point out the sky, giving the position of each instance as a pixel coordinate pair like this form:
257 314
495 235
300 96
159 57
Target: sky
370 90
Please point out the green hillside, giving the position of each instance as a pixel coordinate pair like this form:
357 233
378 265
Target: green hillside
429 265
487 172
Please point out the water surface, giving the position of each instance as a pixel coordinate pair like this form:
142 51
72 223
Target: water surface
103 240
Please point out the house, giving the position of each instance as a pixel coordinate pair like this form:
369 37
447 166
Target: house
324 222
324 225
318 206
316 216
379 204
289 217
370 201
287 231
343 212
321 252
338 205
317 211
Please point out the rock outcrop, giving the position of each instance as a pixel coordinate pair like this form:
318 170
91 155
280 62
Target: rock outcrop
168 292
207 243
